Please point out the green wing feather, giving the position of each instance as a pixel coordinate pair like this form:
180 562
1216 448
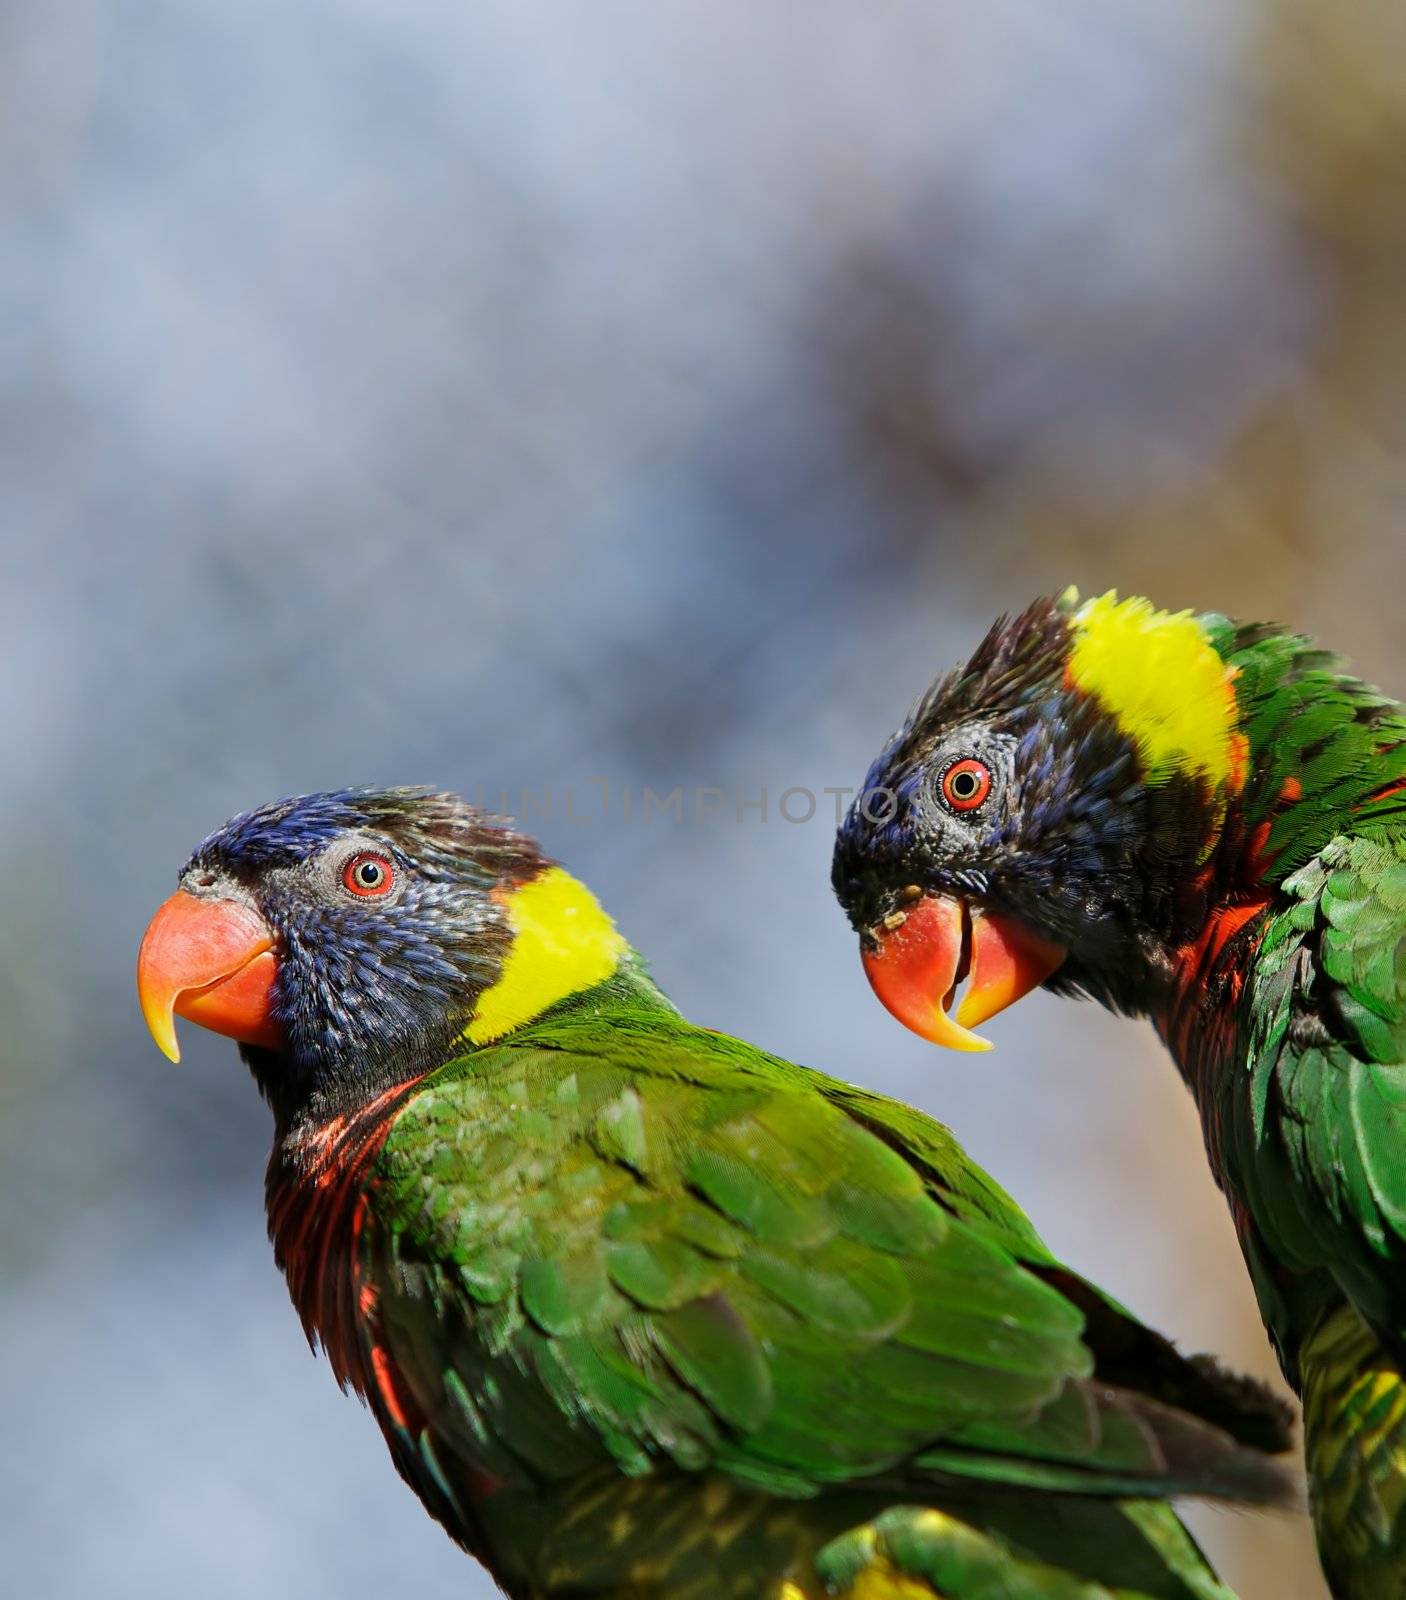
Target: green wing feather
634 1246
1320 1139
959 1560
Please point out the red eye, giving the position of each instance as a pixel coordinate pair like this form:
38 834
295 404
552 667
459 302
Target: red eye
368 876
966 784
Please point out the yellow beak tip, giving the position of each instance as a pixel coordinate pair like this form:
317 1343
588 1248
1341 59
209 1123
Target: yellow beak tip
952 1034
975 1043
162 1028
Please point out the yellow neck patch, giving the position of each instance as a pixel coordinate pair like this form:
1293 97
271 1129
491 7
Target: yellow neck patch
562 943
1159 677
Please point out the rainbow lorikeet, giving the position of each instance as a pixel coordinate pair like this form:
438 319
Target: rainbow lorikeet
641 1310
1203 823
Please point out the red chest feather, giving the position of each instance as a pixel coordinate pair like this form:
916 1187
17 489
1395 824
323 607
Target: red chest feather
317 1197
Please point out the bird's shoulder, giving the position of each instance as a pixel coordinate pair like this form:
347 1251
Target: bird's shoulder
613 1083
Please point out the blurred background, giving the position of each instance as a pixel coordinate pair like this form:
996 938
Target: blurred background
507 395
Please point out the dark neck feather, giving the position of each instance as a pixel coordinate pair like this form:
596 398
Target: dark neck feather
317 1086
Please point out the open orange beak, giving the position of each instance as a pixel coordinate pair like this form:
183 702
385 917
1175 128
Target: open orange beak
919 963
213 962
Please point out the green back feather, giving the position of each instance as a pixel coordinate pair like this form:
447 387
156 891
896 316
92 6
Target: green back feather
615 1243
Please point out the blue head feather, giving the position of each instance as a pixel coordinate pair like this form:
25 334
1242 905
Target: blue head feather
367 990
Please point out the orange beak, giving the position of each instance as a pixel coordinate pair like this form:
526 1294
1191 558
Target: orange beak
213 962
919 963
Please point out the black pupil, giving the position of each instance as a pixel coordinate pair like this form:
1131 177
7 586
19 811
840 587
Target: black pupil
368 875
964 785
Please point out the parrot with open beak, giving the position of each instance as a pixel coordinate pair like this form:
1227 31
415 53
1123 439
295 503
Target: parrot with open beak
1200 822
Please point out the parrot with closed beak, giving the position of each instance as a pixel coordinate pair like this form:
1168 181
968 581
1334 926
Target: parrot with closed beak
642 1311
